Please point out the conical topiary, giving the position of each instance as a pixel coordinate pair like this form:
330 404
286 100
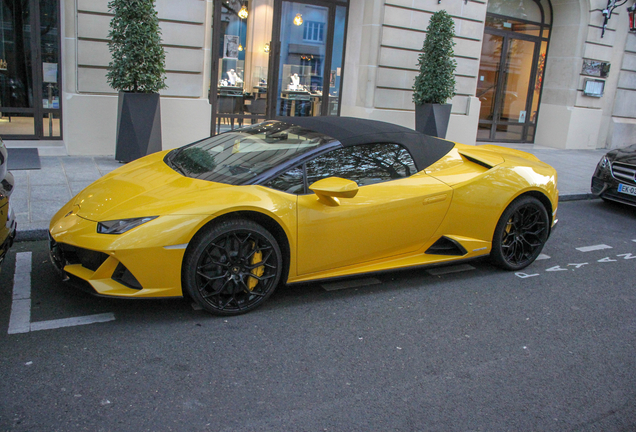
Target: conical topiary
138 59
435 83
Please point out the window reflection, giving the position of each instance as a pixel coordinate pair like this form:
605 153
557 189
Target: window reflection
364 164
24 97
15 62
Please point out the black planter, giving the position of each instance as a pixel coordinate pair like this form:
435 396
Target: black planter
432 119
138 126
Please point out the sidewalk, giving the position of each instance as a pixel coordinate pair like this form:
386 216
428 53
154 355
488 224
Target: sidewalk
39 194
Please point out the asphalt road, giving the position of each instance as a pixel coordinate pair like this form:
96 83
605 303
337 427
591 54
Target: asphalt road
550 349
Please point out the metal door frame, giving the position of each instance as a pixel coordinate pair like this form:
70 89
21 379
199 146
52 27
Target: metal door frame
274 58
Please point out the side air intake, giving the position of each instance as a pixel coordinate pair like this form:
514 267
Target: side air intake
446 246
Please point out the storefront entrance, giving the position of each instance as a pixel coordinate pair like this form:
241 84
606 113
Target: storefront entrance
511 70
30 70
276 58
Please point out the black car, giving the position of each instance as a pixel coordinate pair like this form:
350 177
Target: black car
615 176
7 217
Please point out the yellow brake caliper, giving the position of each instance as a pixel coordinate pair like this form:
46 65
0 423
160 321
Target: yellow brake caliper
258 271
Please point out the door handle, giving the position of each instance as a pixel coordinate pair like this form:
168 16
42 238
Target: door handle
434 199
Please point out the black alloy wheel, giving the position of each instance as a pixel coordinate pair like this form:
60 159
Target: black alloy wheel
232 268
520 234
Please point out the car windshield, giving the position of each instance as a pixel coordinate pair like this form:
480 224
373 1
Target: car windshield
238 156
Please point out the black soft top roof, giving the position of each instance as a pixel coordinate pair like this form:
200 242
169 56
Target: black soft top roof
350 131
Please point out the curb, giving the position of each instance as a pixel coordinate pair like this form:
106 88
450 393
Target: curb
577 197
43 234
31 235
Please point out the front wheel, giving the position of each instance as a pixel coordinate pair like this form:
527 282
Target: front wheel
232 268
520 234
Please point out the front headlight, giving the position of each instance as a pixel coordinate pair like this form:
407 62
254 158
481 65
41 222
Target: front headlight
122 225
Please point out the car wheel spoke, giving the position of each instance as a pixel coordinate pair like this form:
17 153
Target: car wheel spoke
236 270
523 234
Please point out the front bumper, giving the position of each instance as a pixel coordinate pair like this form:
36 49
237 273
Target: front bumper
144 262
606 187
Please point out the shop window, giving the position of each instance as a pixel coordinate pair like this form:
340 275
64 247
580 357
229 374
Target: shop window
30 69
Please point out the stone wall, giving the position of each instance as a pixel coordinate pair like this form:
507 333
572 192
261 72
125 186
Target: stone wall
90 101
385 54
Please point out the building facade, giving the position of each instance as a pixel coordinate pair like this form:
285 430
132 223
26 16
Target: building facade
553 72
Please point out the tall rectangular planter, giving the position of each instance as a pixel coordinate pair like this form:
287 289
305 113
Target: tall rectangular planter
138 125
432 119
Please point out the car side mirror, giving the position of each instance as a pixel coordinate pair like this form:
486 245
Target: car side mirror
330 189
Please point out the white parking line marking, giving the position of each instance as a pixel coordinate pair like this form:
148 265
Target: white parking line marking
20 319
593 248
355 283
450 269
70 322
543 257
627 256
22 276
525 275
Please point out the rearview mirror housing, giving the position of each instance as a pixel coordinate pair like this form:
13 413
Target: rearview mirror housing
330 189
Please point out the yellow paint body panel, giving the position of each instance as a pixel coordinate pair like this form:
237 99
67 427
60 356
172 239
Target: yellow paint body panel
344 230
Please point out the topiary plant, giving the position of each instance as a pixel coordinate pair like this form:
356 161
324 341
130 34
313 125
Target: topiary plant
435 83
138 63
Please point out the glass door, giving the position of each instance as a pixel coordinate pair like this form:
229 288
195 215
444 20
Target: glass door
505 80
276 58
302 58
30 69
309 56
510 76
240 63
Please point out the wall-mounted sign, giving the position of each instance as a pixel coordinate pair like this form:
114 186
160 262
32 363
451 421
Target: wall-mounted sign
593 87
595 68
522 116
49 72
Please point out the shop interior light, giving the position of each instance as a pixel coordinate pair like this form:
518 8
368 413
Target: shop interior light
266 47
240 47
298 20
243 12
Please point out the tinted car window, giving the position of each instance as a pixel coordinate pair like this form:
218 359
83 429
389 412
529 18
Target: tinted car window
237 157
290 182
364 164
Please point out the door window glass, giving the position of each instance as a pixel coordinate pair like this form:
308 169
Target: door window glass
516 80
527 10
244 47
29 78
489 74
364 164
301 79
337 55
538 82
49 47
291 182
16 79
505 23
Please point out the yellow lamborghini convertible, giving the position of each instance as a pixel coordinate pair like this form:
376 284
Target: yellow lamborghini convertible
226 219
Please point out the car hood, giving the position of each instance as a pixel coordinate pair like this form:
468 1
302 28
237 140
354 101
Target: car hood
625 155
146 187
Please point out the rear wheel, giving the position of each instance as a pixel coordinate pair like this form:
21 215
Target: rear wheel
520 234
232 268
